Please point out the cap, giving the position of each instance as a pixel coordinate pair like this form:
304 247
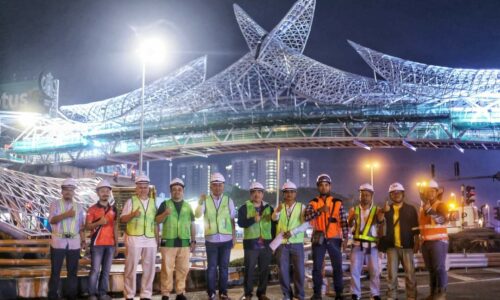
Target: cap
142 179
103 183
323 178
69 182
217 177
396 186
366 187
433 184
256 186
177 181
289 186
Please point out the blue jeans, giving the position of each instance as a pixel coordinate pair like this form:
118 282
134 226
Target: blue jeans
434 253
56 261
218 258
261 258
102 258
333 246
291 254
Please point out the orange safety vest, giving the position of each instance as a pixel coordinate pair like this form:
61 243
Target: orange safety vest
321 223
429 230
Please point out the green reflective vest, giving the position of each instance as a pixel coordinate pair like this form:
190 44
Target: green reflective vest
286 223
175 225
364 235
71 230
217 220
145 223
261 229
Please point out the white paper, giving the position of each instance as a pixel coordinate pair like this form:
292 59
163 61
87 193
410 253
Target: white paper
276 242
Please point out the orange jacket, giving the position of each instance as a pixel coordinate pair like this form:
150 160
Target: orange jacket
322 222
429 230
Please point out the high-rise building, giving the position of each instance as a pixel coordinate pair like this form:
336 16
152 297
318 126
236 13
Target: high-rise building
243 171
196 177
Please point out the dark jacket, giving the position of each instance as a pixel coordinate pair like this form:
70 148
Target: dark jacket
408 219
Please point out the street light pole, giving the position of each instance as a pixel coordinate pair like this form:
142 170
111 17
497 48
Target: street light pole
141 138
372 166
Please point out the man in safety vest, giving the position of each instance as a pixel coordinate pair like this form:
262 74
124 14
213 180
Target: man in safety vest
329 221
68 237
218 213
102 222
400 242
291 227
178 238
365 218
433 233
141 231
255 218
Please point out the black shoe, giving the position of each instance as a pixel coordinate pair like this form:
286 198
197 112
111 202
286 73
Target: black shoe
211 297
376 298
164 297
145 299
224 297
355 297
262 297
129 298
180 297
316 297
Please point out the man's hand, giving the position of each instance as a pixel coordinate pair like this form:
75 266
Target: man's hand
287 235
102 221
387 207
426 206
167 212
278 208
117 251
324 209
380 214
69 213
344 245
137 213
257 218
350 217
192 247
234 239
203 198
83 244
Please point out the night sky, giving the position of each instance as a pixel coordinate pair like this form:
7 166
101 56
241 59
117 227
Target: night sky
89 46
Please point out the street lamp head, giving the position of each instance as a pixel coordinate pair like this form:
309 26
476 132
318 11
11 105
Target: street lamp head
152 49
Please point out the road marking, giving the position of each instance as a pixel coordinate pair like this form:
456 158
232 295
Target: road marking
464 282
492 270
460 277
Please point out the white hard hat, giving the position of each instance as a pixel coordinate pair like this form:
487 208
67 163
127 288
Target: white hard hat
289 186
103 183
396 186
256 186
217 177
142 179
433 184
69 182
366 187
323 178
177 181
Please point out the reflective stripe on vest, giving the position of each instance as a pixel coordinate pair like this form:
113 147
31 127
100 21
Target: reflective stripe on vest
321 222
261 229
175 226
429 230
72 225
286 223
143 225
365 234
217 220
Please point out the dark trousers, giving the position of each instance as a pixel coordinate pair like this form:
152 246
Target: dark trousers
56 260
218 258
102 258
262 258
291 255
434 253
333 246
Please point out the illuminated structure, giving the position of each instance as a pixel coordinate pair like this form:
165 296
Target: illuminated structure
275 96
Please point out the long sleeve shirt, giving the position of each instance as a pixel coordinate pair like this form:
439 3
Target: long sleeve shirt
245 222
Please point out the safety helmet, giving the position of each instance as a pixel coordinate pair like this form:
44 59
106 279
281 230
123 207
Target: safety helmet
176 181
396 186
323 178
103 183
69 183
142 179
366 187
217 177
256 186
289 186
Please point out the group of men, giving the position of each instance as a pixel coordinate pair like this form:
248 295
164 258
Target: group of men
396 229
